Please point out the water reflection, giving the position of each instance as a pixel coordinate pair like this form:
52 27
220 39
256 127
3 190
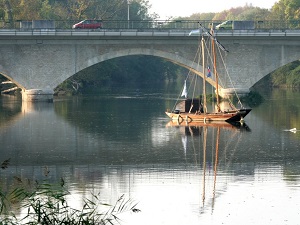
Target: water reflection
210 153
114 145
10 111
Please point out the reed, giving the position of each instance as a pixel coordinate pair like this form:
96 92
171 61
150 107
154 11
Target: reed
46 203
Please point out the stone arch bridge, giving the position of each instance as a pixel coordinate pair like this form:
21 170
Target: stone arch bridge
39 60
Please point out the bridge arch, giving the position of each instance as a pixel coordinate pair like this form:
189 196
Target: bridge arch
172 57
3 73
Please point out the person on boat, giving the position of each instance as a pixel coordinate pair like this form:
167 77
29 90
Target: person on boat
201 108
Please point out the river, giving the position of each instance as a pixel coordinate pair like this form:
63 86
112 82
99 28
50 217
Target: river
121 143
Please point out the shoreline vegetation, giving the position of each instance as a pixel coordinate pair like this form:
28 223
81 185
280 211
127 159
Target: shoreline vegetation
46 202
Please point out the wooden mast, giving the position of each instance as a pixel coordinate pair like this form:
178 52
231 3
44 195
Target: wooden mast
215 68
204 77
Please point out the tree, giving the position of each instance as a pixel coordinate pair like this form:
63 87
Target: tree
139 10
253 13
8 10
247 12
286 10
73 9
199 16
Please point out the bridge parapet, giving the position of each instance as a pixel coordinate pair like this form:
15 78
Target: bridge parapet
15 33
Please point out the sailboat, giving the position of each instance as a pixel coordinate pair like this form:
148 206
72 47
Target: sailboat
193 109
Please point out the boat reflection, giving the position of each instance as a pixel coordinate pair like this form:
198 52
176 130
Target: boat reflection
217 124
213 139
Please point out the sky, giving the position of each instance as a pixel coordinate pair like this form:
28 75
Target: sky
174 8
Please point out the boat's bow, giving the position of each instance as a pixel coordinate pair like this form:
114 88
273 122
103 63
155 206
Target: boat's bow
239 116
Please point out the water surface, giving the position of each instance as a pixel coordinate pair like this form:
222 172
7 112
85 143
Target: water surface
122 143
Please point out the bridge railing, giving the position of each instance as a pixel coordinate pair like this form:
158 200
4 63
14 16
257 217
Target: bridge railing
143 25
114 24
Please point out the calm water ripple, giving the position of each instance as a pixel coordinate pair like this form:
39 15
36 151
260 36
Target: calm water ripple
118 144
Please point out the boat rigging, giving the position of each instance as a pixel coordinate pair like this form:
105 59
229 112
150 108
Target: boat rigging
193 110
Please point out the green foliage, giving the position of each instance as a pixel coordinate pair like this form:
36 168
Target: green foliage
286 10
2 14
288 75
68 87
46 203
198 16
293 78
117 9
49 206
254 13
74 9
251 99
243 13
211 98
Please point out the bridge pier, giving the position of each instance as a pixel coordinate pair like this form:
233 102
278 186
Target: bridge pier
37 95
227 92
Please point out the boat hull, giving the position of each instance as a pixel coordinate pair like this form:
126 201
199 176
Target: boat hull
228 116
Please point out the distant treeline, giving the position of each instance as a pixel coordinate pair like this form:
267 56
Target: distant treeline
13 10
282 10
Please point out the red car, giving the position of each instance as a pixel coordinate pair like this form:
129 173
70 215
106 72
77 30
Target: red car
88 24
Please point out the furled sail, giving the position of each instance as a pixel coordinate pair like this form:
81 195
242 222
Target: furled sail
184 91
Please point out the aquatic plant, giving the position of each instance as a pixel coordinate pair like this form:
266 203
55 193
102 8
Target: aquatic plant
45 203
